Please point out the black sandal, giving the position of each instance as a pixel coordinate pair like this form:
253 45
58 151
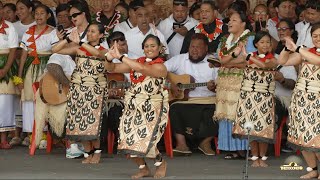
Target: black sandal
233 156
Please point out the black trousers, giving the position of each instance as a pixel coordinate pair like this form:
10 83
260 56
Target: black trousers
280 112
110 122
193 120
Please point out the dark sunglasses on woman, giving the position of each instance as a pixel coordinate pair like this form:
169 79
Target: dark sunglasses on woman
74 15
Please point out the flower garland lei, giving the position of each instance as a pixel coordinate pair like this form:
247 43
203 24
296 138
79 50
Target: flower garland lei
116 18
212 36
226 47
138 77
32 40
261 57
3 27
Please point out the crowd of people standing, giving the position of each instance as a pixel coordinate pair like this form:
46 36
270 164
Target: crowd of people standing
243 64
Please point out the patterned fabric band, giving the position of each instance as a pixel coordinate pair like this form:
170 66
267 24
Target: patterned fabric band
163 97
252 86
308 85
89 80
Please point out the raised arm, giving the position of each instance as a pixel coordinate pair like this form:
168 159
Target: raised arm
155 70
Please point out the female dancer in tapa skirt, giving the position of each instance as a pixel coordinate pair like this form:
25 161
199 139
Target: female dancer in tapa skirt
304 124
146 108
256 102
88 91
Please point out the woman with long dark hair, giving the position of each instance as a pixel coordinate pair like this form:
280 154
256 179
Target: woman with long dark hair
36 43
229 80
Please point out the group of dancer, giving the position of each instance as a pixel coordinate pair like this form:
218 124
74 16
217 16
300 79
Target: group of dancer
79 58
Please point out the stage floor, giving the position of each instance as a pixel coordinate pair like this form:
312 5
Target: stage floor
18 164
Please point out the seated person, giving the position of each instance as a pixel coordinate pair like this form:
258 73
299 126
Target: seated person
193 118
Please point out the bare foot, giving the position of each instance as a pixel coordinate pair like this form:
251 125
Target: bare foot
263 163
145 172
95 158
310 175
161 170
255 163
87 160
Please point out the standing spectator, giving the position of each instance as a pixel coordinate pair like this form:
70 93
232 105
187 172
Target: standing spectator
271 9
176 26
123 8
285 9
209 25
260 17
108 16
194 11
25 14
9 12
131 22
8 45
136 35
312 17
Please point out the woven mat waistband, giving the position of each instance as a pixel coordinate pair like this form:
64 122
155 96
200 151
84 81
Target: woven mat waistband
308 85
251 86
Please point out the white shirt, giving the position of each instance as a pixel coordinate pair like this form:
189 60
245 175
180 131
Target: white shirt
200 71
131 56
272 28
288 72
123 26
21 28
304 36
10 39
135 38
166 27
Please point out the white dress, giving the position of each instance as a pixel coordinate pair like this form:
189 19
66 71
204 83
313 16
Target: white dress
44 44
7 90
21 28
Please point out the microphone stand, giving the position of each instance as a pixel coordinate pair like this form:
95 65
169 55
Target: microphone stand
245 172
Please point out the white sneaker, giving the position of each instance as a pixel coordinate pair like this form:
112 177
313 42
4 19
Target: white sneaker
74 152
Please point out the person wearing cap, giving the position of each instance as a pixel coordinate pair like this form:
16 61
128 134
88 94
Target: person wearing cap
131 22
176 26
209 25
285 9
312 17
136 35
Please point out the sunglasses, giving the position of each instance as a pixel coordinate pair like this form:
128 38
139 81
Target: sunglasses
282 29
260 13
74 15
177 3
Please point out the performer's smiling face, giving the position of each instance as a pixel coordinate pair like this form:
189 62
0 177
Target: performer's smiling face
151 48
197 50
316 38
93 33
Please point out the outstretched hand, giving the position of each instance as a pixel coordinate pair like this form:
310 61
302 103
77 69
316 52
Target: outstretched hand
244 51
74 36
290 44
114 52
